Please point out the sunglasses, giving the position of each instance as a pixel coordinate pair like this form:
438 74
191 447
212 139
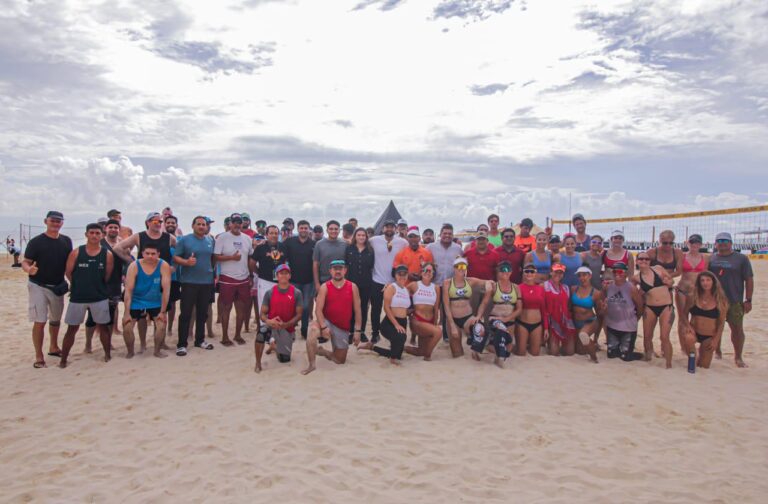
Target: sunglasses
155 221
236 221
427 270
461 266
722 241
596 242
529 272
619 272
643 259
667 243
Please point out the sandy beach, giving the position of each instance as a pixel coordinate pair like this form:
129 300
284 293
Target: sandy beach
206 428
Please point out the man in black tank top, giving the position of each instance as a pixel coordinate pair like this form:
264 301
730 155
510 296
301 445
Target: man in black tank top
153 235
88 268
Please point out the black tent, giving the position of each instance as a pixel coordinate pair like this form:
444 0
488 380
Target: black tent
389 213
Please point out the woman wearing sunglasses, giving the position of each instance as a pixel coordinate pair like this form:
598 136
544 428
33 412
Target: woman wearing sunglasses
531 323
541 258
457 300
424 319
397 302
655 283
707 307
593 259
617 254
693 263
586 303
501 321
666 256
560 330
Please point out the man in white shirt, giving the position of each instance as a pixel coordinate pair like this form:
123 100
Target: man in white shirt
385 248
232 250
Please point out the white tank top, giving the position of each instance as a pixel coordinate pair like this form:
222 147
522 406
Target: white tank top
425 295
402 298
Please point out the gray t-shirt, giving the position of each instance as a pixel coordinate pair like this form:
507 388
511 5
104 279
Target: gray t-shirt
621 313
326 251
444 258
732 270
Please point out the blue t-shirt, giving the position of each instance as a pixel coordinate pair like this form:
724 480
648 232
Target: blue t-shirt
202 272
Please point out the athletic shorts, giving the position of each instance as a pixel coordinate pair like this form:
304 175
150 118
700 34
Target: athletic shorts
735 314
89 322
263 287
143 312
99 311
175 294
44 305
339 337
231 290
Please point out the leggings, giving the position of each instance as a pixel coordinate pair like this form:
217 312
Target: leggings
396 339
498 338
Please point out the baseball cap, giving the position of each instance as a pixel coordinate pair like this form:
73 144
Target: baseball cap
578 216
401 267
152 215
114 211
209 220
245 215
529 267
481 234
583 269
414 230
282 267
724 236
402 222
554 239
318 228
338 263
102 220
235 216
620 266
505 266
260 223
112 221
227 220
527 222
558 267
617 232
389 222
695 238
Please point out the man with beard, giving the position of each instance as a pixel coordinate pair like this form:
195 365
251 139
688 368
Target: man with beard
232 251
385 247
265 260
428 236
327 250
171 225
298 251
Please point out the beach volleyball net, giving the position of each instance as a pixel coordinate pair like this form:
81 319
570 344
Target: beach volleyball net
748 226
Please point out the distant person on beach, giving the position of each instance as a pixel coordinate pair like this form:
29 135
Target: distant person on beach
693 263
338 301
15 252
617 253
734 271
89 268
346 232
458 292
325 252
427 236
444 252
481 258
154 234
525 241
504 297
542 258
360 259
402 228
415 256
510 253
531 323
114 285
280 311
425 318
317 233
147 293
666 255
623 307
494 233
45 262
586 303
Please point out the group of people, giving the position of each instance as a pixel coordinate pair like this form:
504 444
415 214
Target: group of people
504 293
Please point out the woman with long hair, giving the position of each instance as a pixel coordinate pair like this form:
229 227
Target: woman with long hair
703 317
397 302
531 323
426 308
359 259
586 305
693 263
457 301
501 321
655 283
541 258
560 331
572 261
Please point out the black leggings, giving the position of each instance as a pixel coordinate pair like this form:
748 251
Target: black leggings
498 338
365 297
377 302
396 339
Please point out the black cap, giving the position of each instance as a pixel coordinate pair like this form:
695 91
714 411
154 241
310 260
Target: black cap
526 222
554 239
389 222
55 214
262 222
235 216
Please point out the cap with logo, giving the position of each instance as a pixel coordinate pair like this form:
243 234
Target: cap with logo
152 215
558 267
338 263
414 231
481 234
389 222
401 268
282 267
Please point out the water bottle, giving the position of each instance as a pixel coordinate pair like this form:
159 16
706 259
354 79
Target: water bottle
692 362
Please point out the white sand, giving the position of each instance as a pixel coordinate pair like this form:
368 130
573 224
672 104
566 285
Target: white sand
206 428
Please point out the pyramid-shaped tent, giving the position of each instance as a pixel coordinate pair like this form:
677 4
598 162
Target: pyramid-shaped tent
389 213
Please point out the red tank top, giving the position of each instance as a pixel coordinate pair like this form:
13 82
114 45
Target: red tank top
609 263
283 305
338 305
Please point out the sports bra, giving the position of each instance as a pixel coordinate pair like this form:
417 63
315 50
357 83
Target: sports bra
670 266
425 294
542 267
609 263
657 282
687 268
587 302
714 313
402 298
455 293
501 298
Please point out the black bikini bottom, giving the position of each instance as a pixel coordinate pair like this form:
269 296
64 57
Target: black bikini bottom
529 327
658 310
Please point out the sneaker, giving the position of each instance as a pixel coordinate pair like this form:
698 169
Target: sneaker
363 338
204 345
181 352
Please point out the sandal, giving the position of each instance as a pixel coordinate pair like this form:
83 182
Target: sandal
205 345
181 352
39 365
55 354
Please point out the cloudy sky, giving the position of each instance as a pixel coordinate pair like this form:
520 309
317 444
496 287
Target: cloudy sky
321 109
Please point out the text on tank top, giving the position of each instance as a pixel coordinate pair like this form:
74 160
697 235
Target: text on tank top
402 298
338 304
88 284
621 314
283 305
147 291
425 294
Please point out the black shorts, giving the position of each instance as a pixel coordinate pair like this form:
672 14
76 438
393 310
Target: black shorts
175 294
140 314
112 307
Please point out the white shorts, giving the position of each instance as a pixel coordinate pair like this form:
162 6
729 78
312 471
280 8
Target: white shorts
264 286
99 311
41 300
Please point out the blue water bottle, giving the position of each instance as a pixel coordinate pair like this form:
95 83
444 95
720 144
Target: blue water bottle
692 362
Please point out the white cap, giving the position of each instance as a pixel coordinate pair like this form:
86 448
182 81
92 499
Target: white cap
460 260
616 233
402 222
583 269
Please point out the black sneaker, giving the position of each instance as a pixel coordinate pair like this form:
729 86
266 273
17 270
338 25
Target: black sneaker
363 338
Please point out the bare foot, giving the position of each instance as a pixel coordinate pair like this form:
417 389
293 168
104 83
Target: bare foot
395 362
63 363
669 365
308 370
257 368
427 357
741 364
88 349
142 349
239 340
164 347
648 357
107 358
365 346
718 354
475 355
129 355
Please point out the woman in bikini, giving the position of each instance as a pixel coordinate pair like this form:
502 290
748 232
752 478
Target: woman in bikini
541 258
707 307
424 320
617 254
501 320
693 263
397 302
560 330
666 255
457 301
655 283
531 321
587 304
